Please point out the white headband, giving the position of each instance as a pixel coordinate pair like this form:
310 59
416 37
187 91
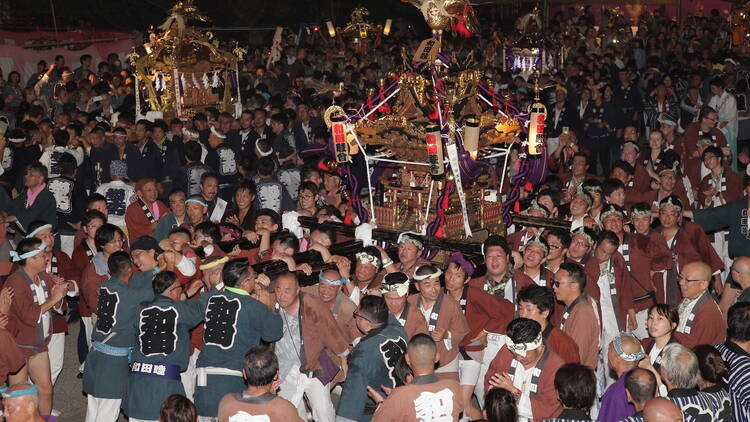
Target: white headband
217 134
263 154
405 238
436 274
402 289
366 258
522 348
38 229
15 257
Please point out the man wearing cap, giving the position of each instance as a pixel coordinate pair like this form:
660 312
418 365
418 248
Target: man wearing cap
519 238
329 289
704 128
35 295
623 354
219 365
143 156
526 367
644 255
487 317
410 248
687 243
446 322
701 321
119 195
580 318
395 289
501 279
372 361
105 376
144 213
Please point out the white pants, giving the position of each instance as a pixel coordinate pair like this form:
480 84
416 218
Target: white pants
56 352
89 327
495 342
188 377
102 410
67 243
318 396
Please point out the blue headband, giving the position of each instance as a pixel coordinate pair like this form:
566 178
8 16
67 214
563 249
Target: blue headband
38 229
18 393
339 282
197 201
15 257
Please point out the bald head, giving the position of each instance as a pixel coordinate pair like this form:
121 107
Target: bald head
698 269
23 407
741 271
421 353
630 346
641 386
661 410
694 279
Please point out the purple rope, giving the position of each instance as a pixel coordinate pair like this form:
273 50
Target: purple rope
439 220
356 197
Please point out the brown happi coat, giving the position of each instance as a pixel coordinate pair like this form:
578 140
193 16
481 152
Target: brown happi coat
401 404
544 403
277 409
584 327
452 320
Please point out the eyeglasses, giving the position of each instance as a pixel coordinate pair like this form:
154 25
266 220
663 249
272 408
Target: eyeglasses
558 283
681 277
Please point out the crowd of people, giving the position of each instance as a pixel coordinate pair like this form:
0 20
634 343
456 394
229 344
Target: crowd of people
162 237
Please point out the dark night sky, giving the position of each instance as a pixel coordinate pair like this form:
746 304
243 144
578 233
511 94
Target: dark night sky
139 14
